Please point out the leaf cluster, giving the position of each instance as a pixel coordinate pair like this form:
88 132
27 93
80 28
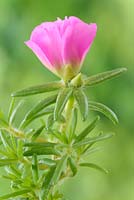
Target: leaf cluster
37 160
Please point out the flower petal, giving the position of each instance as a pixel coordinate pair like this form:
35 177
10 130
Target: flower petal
47 37
77 41
39 53
63 44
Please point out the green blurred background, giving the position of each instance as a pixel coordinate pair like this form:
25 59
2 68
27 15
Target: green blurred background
112 48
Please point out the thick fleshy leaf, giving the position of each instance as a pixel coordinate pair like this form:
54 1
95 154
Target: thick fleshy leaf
14 112
3 122
104 110
98 78
41 105
59 168
6 143
87 130
26 122
47 161
37 133
61 101
4 162
72 165
82 103
20 149
93 139
44 112
4 153
40 144
94 166
48 87
89 150
53 176
50 121
73 124
41 151
11 107
87 147
37 108
48 183
15 194
35 171
61 137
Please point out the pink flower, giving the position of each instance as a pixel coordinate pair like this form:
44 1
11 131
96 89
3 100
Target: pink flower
62 45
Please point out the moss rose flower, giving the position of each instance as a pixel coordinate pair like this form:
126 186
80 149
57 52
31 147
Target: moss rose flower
62 45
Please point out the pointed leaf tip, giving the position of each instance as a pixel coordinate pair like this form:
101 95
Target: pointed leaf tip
82 101
87 130
72 165
100 77
48 87
40 106
15 194
91 140
94 166
99 107
61 101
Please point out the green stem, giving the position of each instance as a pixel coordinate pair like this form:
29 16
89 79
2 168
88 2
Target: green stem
67 114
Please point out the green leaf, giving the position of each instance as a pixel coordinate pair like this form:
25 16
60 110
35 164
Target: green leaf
95 106
11 108
47 184
87 130
14 112
73 124
94 166
35 172
40 144
53 176
42 151
20 149
3 122
15 194
4 162
57 196
77 81
50 121
6 143
45 112
16 171
61 101
98 78
48 87
4 153
59 168
37 133
93 139
60 136
91 150
41 105
87 148
37 108
72 165
82 102
13 142
47 161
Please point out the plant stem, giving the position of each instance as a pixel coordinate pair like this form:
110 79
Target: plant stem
67 114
